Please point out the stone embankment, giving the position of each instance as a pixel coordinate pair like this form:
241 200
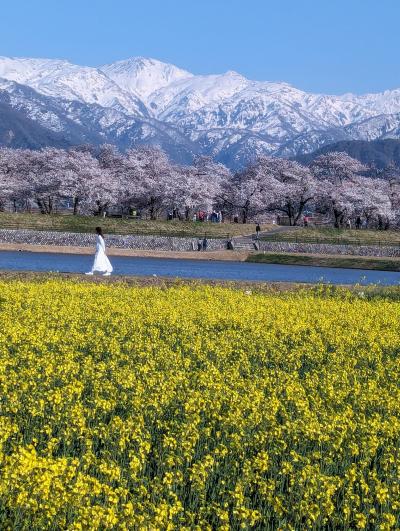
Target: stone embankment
171 243
331 249
69 239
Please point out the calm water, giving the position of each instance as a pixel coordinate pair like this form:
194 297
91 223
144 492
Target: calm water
70 263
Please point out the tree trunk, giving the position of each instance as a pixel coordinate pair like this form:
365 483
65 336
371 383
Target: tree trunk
245 212
41 206
153 209
338 214
76 204
300 211
101 208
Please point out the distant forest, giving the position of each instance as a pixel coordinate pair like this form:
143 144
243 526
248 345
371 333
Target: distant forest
376 153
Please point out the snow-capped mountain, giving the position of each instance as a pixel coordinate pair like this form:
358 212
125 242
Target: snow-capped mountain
62 79
141 76
228 116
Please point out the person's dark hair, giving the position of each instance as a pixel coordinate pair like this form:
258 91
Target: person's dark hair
99 231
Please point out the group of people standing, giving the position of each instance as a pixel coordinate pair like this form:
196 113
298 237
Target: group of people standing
214 216
202 244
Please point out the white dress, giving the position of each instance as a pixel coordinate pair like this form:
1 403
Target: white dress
101 262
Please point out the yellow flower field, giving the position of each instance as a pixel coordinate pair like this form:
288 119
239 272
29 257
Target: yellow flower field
197 408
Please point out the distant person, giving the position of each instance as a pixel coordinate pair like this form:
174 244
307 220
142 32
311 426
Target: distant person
358 222
199 244
235 218
205 244
101 263
258 230
348 223
305 221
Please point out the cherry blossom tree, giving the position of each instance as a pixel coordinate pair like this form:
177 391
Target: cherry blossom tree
199 186
45 174
336 166
80 175
251 191
130 181
294 187
336 172
13 170
153 171
105 185
391 176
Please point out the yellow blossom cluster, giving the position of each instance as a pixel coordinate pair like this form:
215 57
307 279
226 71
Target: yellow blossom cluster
197 408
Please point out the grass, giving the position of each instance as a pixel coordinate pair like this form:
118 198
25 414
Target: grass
70 223
352 262
338 236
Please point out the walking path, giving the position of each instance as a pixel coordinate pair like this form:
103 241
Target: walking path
279 229
235 256
246 243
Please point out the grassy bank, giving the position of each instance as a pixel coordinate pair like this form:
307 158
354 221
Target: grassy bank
70 223
337 236
352 262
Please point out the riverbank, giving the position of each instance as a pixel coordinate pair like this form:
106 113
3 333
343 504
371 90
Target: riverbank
249 287
336 261
117 226
235 256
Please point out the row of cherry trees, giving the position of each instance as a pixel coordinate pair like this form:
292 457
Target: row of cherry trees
144 178
97 181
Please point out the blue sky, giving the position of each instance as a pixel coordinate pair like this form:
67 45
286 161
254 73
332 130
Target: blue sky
332 46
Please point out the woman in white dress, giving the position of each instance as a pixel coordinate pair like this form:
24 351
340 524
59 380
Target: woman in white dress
101 263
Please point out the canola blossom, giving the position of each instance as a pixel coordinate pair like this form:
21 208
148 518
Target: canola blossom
198 408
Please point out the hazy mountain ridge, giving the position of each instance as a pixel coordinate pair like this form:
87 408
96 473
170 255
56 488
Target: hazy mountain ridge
375 153
234 119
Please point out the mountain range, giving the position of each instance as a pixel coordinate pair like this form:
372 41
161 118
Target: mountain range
375 153
144 101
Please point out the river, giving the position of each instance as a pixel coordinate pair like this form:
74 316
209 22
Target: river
201 269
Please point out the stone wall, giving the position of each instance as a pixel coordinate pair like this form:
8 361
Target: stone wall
163 243
325 248
169 243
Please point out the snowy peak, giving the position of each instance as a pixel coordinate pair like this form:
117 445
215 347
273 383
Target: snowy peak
142 76
190 94
26 70
61 79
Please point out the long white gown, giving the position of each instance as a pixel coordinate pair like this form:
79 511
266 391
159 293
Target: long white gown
101 263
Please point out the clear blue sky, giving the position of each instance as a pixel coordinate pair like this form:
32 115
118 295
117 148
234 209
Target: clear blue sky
330 46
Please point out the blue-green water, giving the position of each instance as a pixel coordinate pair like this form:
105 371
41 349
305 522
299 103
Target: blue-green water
224 270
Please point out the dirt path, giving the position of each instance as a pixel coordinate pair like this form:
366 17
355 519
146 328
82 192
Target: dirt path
236 256
278 229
